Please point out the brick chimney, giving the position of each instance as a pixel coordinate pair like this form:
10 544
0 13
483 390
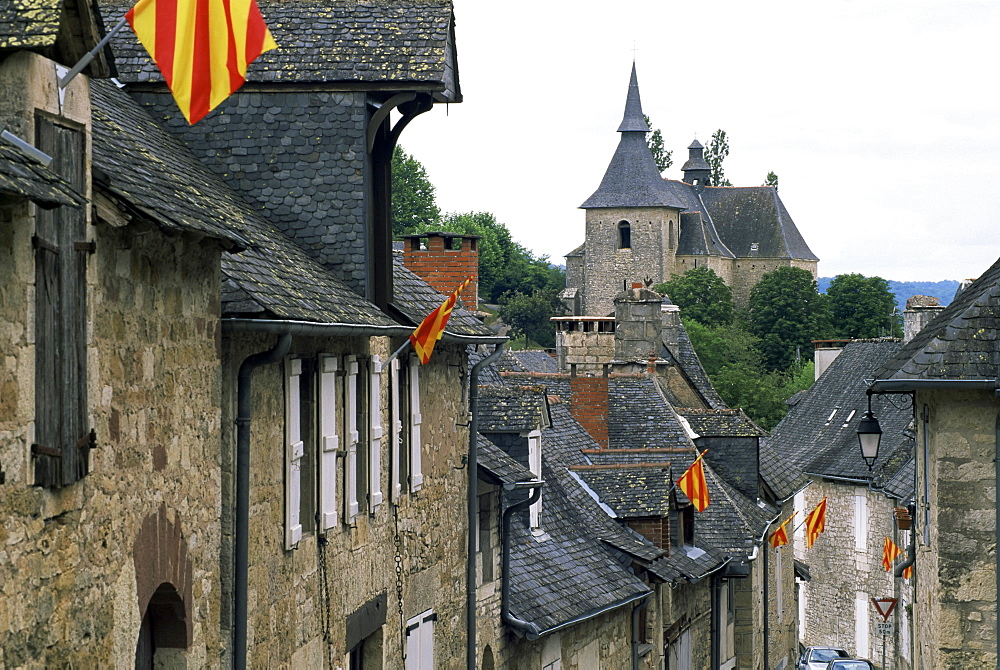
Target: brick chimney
445 260
589 405
919 310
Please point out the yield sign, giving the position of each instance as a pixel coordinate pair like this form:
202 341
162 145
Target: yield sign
884 606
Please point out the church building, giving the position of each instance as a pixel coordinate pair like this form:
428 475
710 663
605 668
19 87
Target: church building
642 227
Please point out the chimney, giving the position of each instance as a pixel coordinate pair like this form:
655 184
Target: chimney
637 323
825 352
919 310
445 260
589 404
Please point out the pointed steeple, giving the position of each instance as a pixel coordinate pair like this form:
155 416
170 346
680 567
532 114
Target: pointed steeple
632 178
633 120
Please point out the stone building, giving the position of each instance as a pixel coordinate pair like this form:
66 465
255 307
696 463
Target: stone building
950 370
640 226
814 454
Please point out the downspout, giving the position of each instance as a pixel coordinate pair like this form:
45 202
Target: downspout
244 408
643 604
527 628
767 608
715 635
473 504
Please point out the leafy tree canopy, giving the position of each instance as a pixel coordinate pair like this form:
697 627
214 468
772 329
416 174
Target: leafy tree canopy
786 312
654 140
771 180
862 307
528 316
715 153
701 294
413 204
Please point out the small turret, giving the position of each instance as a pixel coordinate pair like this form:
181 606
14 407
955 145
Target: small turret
696 170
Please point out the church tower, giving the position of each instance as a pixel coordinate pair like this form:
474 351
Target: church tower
632 218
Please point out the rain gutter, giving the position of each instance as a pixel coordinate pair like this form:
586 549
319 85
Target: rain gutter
316 329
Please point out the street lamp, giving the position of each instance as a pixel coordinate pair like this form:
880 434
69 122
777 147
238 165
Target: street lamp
869 435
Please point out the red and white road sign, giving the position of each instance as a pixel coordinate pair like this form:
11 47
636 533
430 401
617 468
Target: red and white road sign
884 606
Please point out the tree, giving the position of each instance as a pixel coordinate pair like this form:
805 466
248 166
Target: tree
654 140
786 312
528 316
715 153
701 294
862 307
413 204
771 180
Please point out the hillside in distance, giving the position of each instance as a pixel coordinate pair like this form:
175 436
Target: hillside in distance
944 290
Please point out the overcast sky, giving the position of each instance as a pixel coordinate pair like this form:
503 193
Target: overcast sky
880 117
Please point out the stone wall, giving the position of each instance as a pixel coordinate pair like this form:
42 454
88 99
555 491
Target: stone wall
588 350
75 572
747 272
299 600
609 269
955 604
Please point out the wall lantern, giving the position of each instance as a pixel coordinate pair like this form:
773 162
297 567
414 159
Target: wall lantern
869 435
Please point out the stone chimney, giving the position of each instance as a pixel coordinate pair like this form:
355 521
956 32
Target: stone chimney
637 323
919 310
589 405
825 352
445 260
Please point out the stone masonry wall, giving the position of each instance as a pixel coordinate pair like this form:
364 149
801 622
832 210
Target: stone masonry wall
955 607
297 598
748 272
301 155
72 585
589 351
609 269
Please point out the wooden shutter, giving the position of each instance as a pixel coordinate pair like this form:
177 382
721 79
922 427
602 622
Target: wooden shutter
63 438
351 418
396 450
375 436
294 449
420 641
328 442
413 376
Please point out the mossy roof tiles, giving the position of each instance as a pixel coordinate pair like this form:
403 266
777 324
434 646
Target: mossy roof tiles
721 422
326 41
23 176
29 24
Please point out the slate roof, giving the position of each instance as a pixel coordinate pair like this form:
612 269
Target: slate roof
29 24
23 176
512 409
683 353
632 490
819 433
698 237
639 416
721 422
502 467
749 215
330 41
415 299
959 343
632 178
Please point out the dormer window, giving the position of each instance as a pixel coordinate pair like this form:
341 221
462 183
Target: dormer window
624 235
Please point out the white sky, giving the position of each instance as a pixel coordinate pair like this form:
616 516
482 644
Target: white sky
880 117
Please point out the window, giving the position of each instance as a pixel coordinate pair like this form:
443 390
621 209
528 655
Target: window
405 419
63 438
624 235
363 433
420 641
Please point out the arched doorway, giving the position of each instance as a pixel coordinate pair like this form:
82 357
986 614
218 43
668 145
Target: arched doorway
163 635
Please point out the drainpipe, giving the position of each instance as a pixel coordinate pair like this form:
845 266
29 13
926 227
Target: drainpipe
527 628
241 537
715 634
473 506
641 605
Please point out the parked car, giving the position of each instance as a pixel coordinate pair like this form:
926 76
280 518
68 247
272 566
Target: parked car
817 658
850 664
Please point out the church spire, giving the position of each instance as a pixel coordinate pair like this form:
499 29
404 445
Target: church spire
632 178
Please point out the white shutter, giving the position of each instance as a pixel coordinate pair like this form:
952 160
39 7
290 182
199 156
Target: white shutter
328 442
535 465
396 427
375 443
420 641
416 473
294 449
351 414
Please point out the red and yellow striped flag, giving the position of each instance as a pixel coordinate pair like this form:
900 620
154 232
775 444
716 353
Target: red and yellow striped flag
890 552
693 484
815 523
431 328
202 47
779 537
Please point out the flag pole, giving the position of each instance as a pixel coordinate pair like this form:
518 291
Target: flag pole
397 352
85 61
